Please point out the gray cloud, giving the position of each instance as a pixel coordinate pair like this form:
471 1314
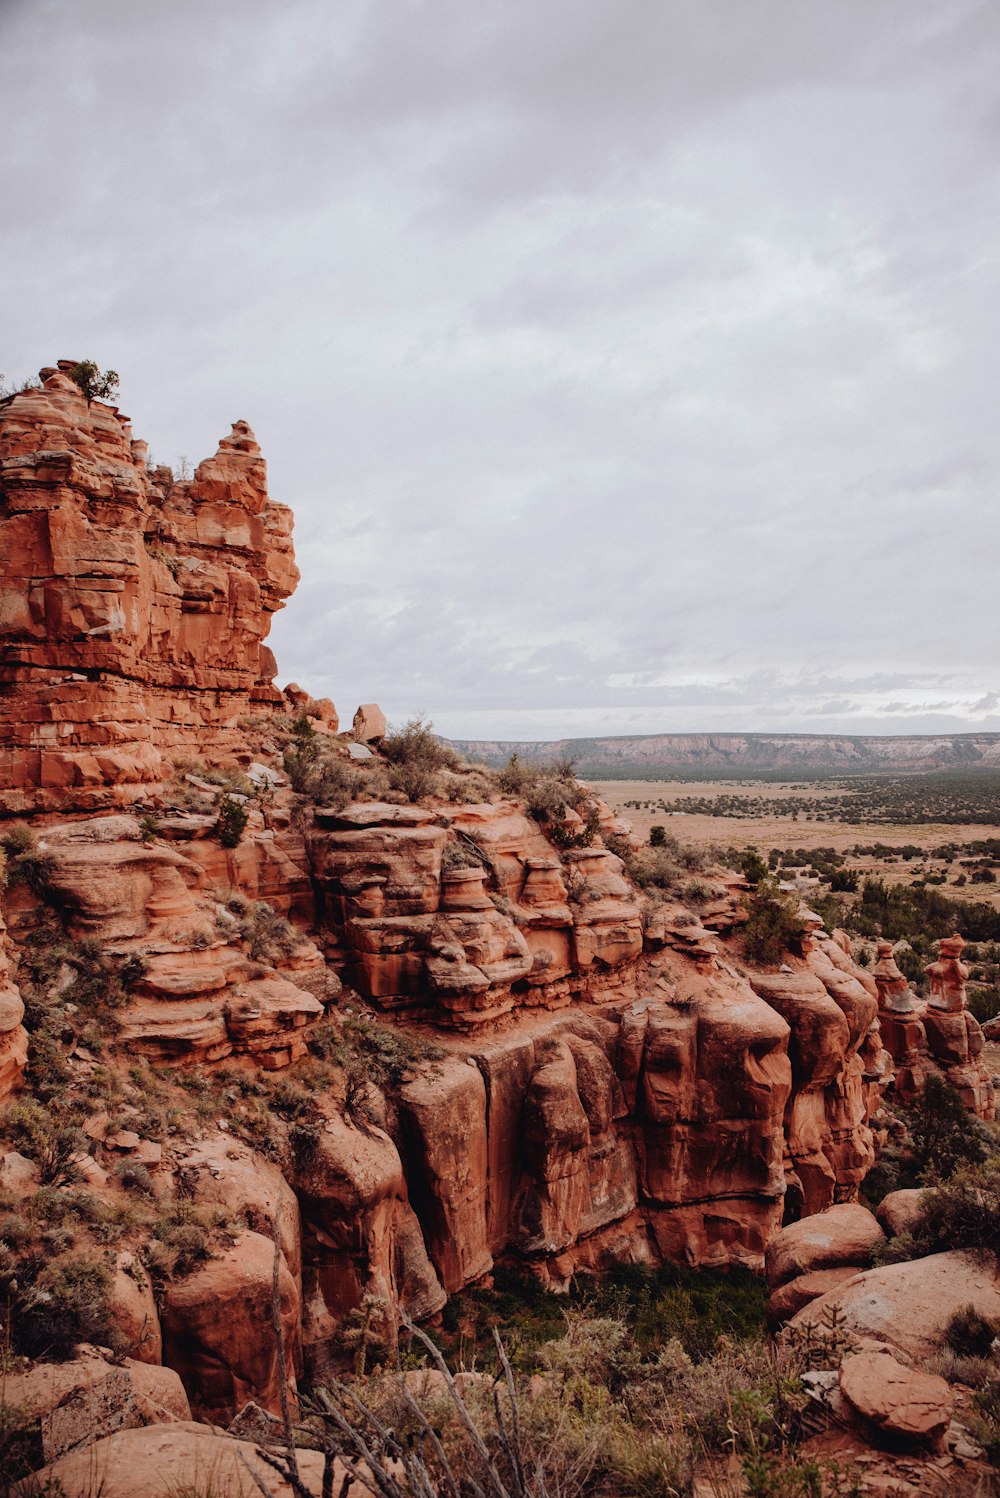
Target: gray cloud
623 364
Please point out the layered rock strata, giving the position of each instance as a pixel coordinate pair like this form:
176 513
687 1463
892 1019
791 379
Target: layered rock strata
614 1084
133 607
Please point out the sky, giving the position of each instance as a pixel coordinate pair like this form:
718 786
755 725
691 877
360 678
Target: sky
631 366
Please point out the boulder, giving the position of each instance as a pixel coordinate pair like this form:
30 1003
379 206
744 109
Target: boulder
369 726
132 1308
181 1458
218 1333
788 1299
843 1235
899 1402
898 1211
907 1307
78 1401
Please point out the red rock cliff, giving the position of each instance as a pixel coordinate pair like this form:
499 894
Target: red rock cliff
133 608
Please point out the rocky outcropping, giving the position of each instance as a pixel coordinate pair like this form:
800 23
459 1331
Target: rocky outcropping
611 1080
934 1036
134 606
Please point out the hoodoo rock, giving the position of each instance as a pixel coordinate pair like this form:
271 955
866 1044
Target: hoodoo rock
937 1036
135 606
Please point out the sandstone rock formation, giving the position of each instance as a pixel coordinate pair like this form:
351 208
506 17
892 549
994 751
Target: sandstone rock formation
218 1334
578 1074
79 1401
134 607
369 724
937 1036
818 1254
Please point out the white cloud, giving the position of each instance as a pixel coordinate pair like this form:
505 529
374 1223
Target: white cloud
622 364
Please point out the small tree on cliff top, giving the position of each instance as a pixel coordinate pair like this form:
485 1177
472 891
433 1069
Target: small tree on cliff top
96 384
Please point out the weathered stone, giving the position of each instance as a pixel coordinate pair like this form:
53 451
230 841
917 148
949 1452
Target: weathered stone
179 1459
898 1212
217 1330
842 1235
369 726
897 1401
908 1306
137 605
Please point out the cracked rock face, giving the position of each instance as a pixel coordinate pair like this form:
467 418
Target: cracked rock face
897 1401
134 608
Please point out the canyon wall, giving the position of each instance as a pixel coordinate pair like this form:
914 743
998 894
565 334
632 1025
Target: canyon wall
658 755
590 1075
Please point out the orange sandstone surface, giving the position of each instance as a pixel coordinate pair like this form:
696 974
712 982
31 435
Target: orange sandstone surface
133 608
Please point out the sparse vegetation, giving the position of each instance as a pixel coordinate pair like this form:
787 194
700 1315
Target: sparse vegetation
23 861
550 793
232 821
660 868
586 1403
66 1303
416 757
944 1134
962 1212
96 384
268 936
773 926
970 1334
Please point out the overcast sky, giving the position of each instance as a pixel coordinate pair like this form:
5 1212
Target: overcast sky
630 365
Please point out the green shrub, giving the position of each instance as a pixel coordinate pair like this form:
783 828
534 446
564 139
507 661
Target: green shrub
960 1213
96 384
269 936
416 758
134 1176
66 1304
300 756
333 782
944 1134
773 926
984 1002
970 1334
657 836
25 863
753 867
232 821
49 1136
17 840
416 744
984 1421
